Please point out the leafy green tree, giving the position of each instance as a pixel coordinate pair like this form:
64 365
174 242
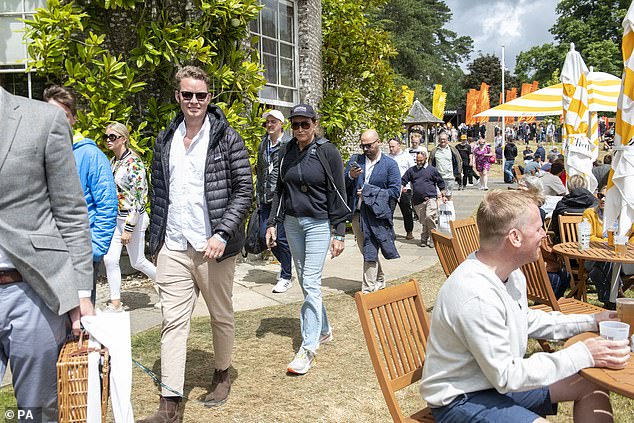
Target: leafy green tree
428 53
120 57
595 29
487 68
539 62
360 88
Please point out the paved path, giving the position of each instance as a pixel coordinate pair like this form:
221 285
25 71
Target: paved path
254 279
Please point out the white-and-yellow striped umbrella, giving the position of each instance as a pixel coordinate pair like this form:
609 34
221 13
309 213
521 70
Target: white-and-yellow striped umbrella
603 90
579 150
619 204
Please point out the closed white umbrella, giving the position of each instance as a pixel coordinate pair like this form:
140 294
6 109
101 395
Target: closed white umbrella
579 150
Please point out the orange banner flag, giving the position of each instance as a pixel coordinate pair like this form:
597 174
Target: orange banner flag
533 87
472 106
484 102
510 95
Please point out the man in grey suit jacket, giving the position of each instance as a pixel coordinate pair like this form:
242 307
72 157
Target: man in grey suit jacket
45 248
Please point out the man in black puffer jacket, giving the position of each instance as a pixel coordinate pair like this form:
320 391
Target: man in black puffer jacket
202 190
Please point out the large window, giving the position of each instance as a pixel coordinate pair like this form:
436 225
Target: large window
277 29
13 52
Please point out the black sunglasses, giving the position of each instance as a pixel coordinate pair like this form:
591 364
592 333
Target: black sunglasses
305 124
111 137
600 196
368 145
188 95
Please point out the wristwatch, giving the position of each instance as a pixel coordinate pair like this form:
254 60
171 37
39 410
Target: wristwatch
339 238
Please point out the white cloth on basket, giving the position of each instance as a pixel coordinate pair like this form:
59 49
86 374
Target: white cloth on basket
113 331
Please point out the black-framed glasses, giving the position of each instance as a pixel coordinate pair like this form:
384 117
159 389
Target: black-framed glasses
368 145
600 196
305 124
188 95
111 137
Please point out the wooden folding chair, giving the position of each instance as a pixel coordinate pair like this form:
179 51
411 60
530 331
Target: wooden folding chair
396 326
446 250
568 233
466 235
539 290
517 174
568 227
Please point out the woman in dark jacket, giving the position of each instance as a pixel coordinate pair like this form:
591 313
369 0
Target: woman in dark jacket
310 201
577 201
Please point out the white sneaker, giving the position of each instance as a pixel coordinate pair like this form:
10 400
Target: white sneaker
282 285
326 337
302 362
110 308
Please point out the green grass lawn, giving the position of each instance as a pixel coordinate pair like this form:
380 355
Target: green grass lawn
342 386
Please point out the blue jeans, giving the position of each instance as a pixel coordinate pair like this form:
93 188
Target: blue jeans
491 406
309 240
281 251
508 167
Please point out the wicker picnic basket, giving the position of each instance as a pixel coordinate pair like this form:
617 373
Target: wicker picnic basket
72 381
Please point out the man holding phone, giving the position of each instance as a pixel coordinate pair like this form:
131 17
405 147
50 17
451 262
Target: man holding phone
373 187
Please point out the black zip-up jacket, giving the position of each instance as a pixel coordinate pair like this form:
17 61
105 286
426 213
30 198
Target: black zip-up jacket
267 168
510 151
577 201
228 183
338 210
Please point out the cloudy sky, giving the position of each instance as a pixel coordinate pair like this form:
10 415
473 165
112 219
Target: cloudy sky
518 24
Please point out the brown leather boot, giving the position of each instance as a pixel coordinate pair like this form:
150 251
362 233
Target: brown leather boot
168 411
221 386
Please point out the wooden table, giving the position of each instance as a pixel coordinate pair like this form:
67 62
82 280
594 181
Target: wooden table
598 251
619 381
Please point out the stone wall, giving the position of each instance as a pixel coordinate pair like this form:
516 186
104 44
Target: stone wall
309 48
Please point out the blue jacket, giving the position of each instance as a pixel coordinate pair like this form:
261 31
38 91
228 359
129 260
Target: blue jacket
100 193
380 195
385 175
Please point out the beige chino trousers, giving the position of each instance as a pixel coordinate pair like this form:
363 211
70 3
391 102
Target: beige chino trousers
373 277
181 275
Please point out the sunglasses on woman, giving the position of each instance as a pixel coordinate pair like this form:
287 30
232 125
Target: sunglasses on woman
305 124
188 95
600 196
111 137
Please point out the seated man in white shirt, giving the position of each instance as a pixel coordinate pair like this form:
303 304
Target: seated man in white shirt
476 366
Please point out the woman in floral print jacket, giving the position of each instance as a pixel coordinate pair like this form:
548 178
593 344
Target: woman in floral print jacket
132 221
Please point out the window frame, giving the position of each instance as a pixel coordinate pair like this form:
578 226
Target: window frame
278 57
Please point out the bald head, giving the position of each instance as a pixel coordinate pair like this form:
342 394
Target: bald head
369 135
370 143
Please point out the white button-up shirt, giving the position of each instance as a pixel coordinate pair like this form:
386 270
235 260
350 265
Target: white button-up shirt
187 217
5 261
369 166
404 162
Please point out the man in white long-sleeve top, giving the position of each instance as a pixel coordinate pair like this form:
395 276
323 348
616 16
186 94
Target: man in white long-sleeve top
475 367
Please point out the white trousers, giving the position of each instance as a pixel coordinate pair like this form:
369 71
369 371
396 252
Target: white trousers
136 252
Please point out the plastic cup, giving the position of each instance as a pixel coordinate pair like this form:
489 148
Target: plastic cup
613 330
610 237
620 245
625 312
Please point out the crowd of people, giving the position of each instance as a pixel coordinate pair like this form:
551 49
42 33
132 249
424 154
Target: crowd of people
84 208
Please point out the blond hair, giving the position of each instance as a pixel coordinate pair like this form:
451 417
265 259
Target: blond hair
193 72
120 129
501 211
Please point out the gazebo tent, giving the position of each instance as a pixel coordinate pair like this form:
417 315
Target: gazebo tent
419 115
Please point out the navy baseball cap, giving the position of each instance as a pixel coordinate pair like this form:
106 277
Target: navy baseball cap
305 110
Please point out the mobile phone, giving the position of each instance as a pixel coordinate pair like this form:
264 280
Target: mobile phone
354 165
